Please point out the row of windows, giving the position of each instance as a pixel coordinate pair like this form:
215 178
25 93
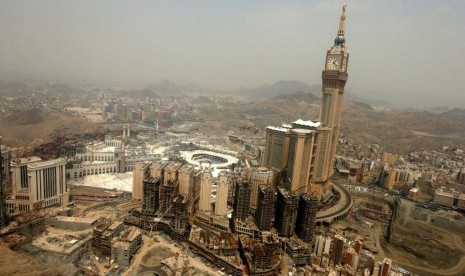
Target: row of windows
96 171
99 158
99 171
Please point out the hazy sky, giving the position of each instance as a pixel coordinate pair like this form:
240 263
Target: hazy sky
400 50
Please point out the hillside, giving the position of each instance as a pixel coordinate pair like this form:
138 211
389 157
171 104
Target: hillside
395 130
457 114
21 127
279 88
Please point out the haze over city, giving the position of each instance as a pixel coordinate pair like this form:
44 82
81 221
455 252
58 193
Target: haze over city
232 138
404 53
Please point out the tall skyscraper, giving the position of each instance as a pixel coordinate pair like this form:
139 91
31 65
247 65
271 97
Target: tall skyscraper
334 78
300 152
186 180
305 225
151 195
205 202
221 202
305 150
242 199
141 172
277 147
258 177
265 208
286 212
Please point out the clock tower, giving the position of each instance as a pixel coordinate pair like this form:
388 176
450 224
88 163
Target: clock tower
334 79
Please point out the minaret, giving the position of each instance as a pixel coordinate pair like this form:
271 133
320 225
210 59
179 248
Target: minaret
334 78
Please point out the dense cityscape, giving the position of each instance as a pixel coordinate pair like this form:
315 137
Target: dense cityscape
155 182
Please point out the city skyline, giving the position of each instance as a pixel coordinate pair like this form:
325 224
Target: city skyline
227 46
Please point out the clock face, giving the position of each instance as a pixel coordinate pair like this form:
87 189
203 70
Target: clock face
334 62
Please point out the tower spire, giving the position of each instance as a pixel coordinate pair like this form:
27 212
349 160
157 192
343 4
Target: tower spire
340 40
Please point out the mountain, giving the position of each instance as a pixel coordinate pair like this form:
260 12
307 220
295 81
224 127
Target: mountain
167 88
457 114
281 87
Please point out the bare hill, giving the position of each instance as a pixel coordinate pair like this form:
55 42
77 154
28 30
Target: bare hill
457 114
21 127
395 130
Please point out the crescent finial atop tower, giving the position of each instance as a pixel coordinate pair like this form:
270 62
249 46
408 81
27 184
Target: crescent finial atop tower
340 40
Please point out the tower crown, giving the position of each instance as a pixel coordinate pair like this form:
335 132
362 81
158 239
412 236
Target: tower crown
337 55
340 40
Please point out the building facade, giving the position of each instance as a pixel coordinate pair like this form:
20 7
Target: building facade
37 184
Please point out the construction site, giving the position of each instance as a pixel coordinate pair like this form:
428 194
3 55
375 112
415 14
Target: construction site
425 240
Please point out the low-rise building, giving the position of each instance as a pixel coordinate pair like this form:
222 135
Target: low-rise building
451 198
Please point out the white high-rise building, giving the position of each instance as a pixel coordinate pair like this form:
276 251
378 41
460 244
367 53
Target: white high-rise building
205 201
221 203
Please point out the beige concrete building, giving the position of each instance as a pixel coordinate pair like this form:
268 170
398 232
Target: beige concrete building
221 202
300 156
205 201
170 173
257 177
141 172
307 148
449 197
156 169
37 184
186 180
277 147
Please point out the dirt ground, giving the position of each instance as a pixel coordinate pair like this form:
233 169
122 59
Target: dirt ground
146 257
14 263
427 242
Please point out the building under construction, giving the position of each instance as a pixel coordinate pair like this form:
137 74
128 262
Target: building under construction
264 215
286 212
299 251
242 199
125 245
179 212
104 230
150 199
305 224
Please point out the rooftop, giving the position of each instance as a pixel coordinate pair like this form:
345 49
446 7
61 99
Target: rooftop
309 123
58 161
280 129
302 131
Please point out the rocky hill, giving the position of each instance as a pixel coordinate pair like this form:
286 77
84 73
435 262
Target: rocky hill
457 114
397 131
21 127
